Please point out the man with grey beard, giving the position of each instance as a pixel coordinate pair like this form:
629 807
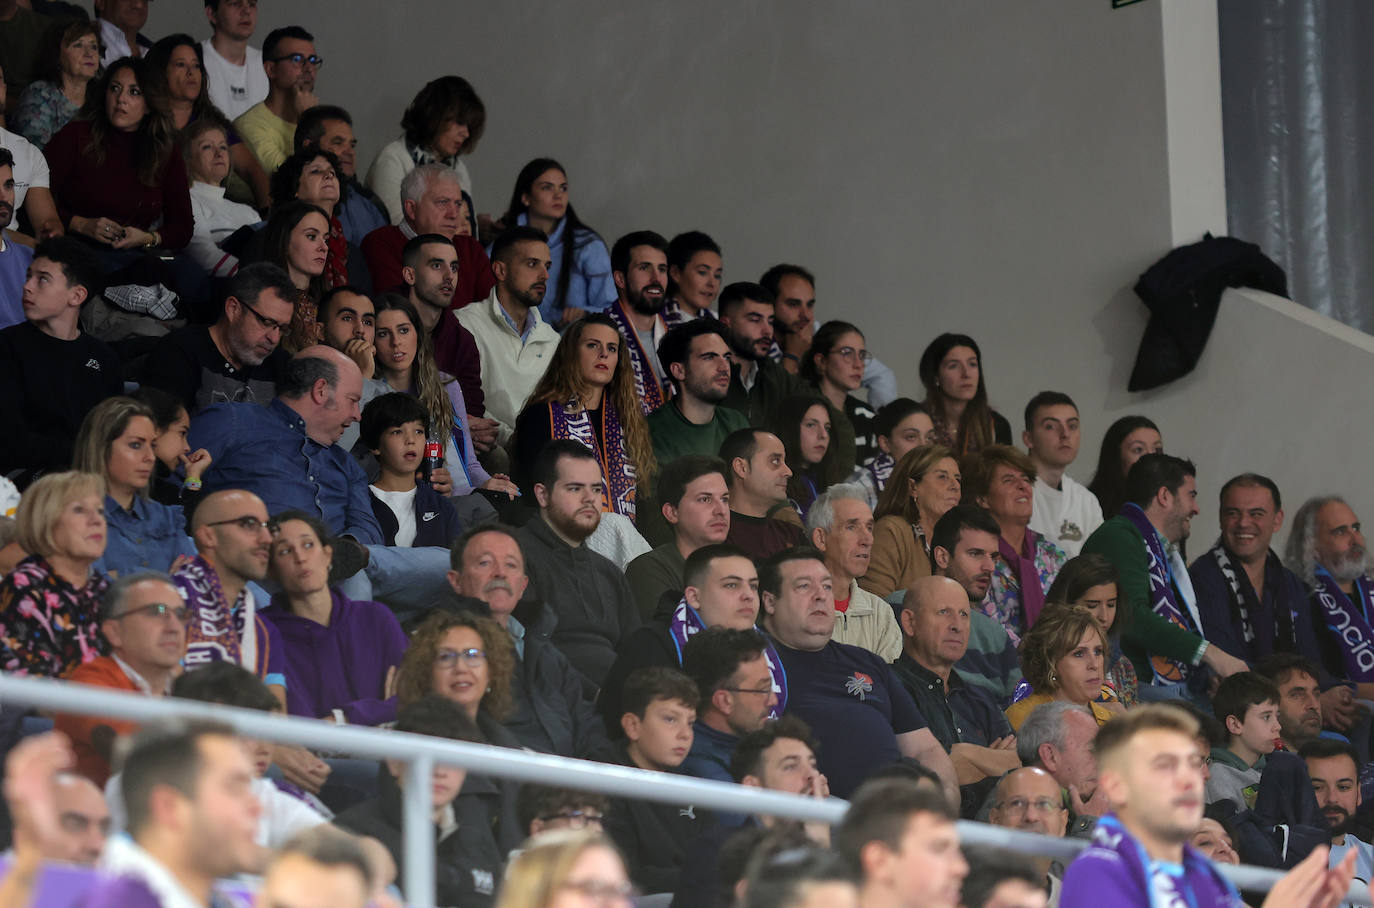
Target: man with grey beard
1327 550
550 714
238 358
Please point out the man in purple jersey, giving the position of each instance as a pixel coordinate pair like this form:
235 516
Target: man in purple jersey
192 814
1151 770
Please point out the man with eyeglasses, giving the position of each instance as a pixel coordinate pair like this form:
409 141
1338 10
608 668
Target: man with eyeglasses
238 359
231 535
144 620
732 671
291 65
721 592
1030 799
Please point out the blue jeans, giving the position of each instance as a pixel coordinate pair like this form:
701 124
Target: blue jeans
410 581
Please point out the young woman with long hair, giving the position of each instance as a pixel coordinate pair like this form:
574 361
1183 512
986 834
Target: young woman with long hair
120 183
176 76
580 276
117 441
588 394
405 362
957 396
296 239
1127 440
804 425
835 366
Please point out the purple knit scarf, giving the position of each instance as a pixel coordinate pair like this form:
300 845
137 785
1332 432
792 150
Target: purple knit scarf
571 420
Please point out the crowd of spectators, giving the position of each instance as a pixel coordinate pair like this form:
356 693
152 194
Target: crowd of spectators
352 450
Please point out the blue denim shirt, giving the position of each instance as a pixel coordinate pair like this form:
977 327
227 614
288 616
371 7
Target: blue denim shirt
147 537
264 450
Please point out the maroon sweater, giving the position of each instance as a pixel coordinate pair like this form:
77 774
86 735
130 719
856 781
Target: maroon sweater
382 249
113 189
455 349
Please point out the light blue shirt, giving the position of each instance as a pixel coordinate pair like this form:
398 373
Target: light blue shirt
1364 858
14 266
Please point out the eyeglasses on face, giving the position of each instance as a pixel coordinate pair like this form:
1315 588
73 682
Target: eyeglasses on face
849 353
248 523
449 658
267 323
298 59
761 691
158 610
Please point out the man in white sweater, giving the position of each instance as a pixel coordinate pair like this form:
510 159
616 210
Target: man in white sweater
514 342
1062 510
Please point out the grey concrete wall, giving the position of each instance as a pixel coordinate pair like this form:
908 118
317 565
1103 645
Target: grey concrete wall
992 167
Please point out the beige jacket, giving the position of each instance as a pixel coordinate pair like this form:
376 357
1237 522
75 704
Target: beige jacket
510 370
869 622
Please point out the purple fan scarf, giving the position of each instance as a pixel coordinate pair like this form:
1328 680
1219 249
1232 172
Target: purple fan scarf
1163 597
646 383
686 623
1349 623
571 420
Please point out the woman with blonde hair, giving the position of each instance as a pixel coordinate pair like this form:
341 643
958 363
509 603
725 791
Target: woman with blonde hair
567 868
924 485
588 395
1064 658
1094 583
50 603
469 660
117 441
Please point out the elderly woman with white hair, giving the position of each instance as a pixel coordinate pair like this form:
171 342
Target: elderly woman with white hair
50 604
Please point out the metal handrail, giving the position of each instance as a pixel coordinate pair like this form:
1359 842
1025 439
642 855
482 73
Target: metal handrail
421 754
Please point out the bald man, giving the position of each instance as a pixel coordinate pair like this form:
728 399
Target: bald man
232 541
1031 800
963 717
287 454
